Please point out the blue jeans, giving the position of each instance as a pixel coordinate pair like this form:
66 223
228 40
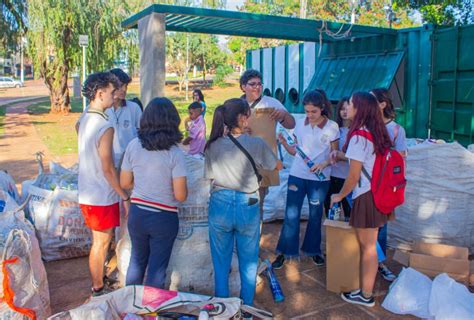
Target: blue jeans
382 238
234 218
152 235
298 189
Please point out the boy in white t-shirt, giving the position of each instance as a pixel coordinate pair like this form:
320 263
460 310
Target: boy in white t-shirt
99 186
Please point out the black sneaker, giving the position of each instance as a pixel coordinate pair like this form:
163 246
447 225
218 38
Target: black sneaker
318 260
356 297
279 262
387 274
100 292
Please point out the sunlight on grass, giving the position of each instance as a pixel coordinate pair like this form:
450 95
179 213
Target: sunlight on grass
58 132
3 110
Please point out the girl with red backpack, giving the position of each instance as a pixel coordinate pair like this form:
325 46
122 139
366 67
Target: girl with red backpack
367 138
398 136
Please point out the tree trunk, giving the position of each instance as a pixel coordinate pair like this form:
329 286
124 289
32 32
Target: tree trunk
58 90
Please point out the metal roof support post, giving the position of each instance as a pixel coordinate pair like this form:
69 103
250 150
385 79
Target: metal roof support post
152 35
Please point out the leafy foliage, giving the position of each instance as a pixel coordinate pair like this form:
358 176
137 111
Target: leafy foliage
12 23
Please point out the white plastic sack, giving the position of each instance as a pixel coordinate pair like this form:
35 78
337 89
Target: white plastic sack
439 197
198 187
57 217
141 300
450 299
7 184
409 294
274 205
25 273
190 268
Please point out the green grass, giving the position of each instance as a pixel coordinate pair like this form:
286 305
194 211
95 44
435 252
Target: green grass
58 132
3 110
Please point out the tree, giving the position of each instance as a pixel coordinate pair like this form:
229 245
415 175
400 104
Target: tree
55 27
443 12
12 22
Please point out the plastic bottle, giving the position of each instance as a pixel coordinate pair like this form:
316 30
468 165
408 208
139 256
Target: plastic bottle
277 292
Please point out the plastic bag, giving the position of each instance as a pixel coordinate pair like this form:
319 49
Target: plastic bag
409 294
450 299
23 272
142 300
7 184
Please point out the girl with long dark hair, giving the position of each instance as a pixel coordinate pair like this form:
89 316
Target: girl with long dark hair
398 136
155 168
234 202
316 135
365 218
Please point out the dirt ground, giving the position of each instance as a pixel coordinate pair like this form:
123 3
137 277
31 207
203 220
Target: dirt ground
303 283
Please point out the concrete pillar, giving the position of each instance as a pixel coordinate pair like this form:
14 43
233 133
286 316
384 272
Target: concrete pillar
151 35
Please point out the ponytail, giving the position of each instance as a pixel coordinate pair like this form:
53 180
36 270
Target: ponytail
218 126
226 116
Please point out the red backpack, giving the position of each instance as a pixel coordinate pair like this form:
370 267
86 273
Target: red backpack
388 177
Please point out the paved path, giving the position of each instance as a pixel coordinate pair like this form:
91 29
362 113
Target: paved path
20 142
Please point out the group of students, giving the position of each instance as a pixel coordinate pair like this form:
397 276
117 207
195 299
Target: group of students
152 179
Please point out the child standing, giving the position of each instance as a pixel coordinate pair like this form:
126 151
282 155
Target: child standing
196 128
316 135
398 137
340 164
365 217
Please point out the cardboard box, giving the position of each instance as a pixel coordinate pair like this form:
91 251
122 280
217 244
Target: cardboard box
433 259
342 257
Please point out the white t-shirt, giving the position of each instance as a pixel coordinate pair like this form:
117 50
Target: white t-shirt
126 122
154 171
94 189
269 102
316 144
341 168
362 150
399 138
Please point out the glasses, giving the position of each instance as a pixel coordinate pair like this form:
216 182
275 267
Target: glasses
254 84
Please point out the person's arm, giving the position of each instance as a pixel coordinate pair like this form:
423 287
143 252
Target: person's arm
290 149
284 117
107 161
352 179
321 166
126 179
180 189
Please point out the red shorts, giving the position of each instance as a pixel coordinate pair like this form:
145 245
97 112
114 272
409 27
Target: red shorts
101 217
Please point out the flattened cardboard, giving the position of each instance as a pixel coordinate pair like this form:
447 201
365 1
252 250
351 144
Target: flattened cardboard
441 250
342 257
264 127
434 259
439 265
471 278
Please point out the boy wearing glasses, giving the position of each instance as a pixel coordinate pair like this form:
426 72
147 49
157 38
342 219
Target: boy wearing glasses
266 111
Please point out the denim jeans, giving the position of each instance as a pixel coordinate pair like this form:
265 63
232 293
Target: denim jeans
152 236
382 238
233 218
298 189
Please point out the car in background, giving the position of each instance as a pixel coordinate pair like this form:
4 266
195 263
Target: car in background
7 82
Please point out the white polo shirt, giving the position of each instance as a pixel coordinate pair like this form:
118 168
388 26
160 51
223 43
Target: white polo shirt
316 144
362 150
126 122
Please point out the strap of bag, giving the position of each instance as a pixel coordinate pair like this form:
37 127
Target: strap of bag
237 143
255 102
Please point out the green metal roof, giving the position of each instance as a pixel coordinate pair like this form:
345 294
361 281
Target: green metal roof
211 21
341 76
